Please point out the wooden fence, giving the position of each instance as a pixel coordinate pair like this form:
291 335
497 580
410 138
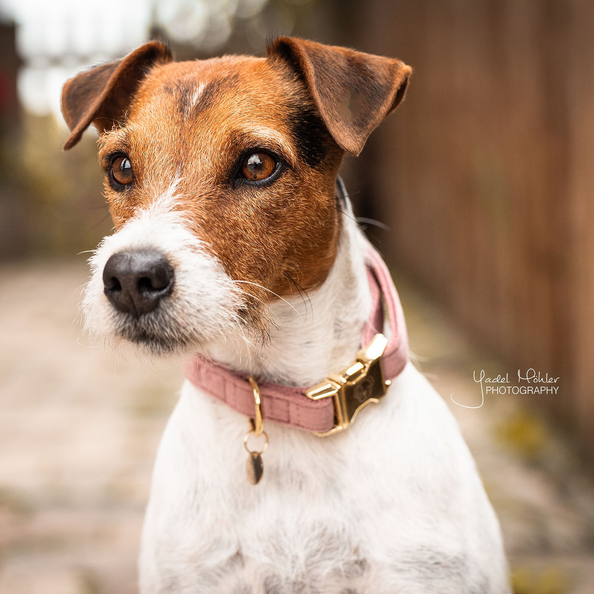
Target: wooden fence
487 174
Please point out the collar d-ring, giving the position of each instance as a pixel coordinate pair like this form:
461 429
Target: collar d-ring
257 421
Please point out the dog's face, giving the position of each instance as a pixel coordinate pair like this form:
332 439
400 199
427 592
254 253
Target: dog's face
220 176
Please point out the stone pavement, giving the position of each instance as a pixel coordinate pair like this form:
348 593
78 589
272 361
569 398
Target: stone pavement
79 427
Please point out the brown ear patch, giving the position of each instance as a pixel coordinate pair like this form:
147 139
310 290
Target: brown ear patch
353 91
101 95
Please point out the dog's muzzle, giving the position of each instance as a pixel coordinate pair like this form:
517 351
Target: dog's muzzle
136 281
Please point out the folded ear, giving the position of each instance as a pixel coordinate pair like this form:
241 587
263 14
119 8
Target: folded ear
353 91
102 95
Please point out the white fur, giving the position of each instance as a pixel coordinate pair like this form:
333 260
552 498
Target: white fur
272 136
197 94
392 505
204 302
314 335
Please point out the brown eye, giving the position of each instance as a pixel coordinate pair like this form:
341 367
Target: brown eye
121 170
258 166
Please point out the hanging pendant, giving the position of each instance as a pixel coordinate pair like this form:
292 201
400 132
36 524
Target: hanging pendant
254 468
254 465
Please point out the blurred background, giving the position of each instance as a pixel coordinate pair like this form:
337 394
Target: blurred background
482 184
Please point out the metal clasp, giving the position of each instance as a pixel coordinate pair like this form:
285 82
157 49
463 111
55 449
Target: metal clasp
355 387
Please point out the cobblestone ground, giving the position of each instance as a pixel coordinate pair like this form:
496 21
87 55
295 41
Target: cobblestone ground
79 428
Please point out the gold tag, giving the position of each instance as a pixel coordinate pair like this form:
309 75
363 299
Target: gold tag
254 468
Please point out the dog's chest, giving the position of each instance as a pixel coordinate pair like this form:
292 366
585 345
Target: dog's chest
212 529
354 513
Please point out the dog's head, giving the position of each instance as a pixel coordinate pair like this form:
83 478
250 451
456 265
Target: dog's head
220 176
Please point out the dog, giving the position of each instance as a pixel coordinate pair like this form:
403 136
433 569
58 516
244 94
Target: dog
235 245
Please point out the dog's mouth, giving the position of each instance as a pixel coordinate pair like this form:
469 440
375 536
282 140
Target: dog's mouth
179 327
156 332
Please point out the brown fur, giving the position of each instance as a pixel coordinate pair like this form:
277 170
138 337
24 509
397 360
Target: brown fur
282 236
101 95
353 91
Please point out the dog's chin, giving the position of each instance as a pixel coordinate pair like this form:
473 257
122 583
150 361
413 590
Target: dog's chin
157 340
160 333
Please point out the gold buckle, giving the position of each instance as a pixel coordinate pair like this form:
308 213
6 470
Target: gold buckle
355 387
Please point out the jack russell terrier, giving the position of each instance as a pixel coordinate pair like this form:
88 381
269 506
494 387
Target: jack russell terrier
235 244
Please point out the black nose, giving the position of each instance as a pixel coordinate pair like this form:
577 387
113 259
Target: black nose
136 281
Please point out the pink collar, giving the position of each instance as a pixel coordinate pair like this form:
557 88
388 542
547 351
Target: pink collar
325 408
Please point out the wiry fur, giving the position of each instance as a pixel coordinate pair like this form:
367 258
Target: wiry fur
204 304
271 281
310 334
392 505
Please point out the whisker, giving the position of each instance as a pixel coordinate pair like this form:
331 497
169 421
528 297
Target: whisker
346 214
242 292
303 294
100 221
373 222
275 294
244 338
239 325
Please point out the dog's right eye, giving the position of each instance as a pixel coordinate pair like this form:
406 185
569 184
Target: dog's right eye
120 172
259 168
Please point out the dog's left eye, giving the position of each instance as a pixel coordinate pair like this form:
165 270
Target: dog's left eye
258 167
120 172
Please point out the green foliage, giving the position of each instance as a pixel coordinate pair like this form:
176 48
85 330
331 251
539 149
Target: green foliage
525 433
550 580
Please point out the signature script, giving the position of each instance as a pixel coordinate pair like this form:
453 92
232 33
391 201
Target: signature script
537 383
